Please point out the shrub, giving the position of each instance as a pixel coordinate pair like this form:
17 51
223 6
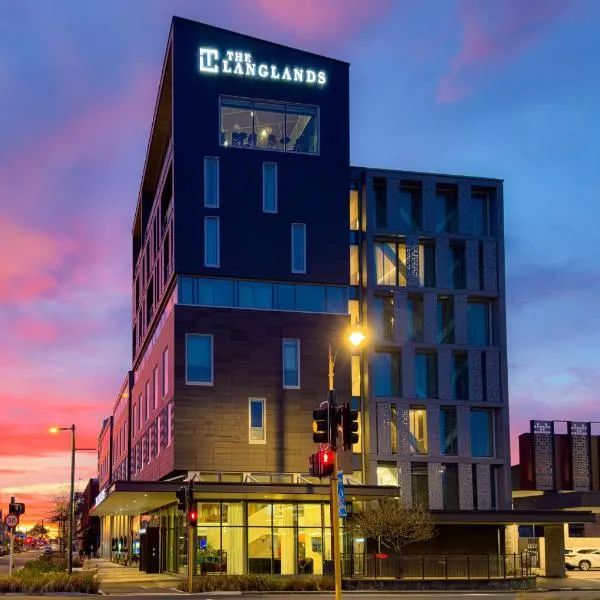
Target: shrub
32 581
258 583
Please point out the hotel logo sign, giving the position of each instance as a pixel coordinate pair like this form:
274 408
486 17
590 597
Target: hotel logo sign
242 64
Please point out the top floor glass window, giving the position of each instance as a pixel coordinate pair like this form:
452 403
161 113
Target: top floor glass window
267 125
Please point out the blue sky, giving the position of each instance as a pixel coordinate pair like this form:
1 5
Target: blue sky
495 88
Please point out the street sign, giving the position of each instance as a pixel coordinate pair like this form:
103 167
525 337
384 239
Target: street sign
343 513
11 520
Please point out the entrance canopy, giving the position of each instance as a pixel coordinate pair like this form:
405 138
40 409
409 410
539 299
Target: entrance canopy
137 497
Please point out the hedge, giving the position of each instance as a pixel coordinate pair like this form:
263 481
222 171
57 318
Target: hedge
258 583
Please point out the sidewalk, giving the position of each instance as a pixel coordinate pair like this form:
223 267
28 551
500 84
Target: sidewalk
117 579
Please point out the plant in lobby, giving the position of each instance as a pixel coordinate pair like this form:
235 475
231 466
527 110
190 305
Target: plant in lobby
391 522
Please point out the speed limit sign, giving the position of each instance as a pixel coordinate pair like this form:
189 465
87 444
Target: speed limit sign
11 520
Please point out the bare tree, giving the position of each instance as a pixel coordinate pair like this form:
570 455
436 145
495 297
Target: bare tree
59 514
393 523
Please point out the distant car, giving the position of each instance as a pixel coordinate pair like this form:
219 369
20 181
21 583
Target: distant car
584 559
47 550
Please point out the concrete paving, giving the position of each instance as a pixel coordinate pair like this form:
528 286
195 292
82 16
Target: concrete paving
117 579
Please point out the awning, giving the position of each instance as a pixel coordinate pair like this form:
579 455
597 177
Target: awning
140 497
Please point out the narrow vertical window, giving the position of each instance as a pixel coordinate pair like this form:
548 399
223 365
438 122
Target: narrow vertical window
198 359
291 364
256 419
147 408
211 242
155 387
165 367
270 187
298 248
211 182
482 433
418 430
354 210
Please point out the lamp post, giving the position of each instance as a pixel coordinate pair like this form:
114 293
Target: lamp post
71 495
356 338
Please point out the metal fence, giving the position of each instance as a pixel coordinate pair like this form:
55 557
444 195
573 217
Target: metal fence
436 566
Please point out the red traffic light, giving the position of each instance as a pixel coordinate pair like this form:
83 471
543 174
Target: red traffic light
192 517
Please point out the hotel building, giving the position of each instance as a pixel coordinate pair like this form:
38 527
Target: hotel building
255 246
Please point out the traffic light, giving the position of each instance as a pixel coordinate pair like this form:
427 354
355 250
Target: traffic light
17 508
181 494
326 462
321 426
349 426
322 464
192 518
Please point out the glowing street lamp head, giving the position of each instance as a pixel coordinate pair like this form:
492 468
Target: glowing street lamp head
356 337
53 430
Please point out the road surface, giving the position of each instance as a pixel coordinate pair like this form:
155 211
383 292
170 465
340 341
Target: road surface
19 558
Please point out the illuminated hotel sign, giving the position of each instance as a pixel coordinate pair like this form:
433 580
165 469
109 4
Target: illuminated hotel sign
242 64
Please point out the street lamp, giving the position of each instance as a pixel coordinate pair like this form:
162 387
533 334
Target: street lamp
72 494
356 337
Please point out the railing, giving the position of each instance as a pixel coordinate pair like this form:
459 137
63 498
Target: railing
436 566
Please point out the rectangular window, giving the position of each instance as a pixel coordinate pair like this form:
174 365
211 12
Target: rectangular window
354 266
447 208
383 319
394 428
381 210
298 248
448 431
411 206
480 212
482 433
269 125
414 322
387 475
256 418
165 369
418 430
355 371
139 412
387 374
419 480
445 320
459 376
427 264
291 364
147 404
155 387
458 268
426 375
354 210
390 263
478 323
211 182
212 242
450 486
198 359
269 187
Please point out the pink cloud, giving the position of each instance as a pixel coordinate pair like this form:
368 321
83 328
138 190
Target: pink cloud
28 259
494 33
37 330
323 19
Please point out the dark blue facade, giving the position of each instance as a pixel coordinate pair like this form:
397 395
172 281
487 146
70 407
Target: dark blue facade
312 188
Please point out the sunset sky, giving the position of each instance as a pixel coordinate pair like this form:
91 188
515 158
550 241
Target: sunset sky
499 88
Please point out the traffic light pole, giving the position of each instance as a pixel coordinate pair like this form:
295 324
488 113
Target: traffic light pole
191 557
333 493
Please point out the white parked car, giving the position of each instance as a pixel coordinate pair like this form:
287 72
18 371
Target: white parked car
584 559
47 550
